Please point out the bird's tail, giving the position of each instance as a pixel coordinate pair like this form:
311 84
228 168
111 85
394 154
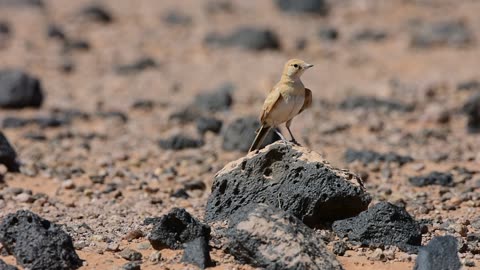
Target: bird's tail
261 134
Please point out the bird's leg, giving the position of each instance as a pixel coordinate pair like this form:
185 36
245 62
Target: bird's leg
281 136
289 122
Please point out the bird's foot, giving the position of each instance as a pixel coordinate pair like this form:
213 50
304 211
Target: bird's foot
293 141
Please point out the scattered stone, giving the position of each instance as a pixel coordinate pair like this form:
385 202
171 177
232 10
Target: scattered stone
180 193
75 45
180 142
239 135
19 90
205 124
219 99
22 3
35 136
472 109
137 66
383 223
452 33
339 248
319 7
377 255
131 266
5 266
195 185
113 114
56 32
41 121
374 103
8 156
269 238
37 243
5 29
174 17
134 234
289 177
143 104
219 6
373 35
249 38
96 13
24 198
186 115
367 157
197 253
130 255
176 228
433 178
328 33
468 85
440 253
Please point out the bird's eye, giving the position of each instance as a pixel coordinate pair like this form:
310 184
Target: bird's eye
295 66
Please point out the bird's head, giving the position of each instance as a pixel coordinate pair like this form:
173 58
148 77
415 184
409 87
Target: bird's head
294 68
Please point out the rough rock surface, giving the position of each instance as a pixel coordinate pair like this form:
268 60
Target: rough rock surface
19 90
440 253
383 223
240 134
433 178
197 253
8 156
270 238
176 228
289 177
37 243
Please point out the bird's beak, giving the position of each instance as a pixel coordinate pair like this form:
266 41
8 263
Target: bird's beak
307 66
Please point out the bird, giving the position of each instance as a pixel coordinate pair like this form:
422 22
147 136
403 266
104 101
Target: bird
286 99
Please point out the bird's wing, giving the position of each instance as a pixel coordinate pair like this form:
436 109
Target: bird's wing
308 100
270 102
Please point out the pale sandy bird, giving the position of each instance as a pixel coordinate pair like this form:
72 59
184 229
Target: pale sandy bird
287 99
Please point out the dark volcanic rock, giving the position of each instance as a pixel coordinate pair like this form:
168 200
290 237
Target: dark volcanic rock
180 142
212 124
249 38
75 45
451 33
19 90
8 156
177 18
22 3
137 66
270 238
239 135
42 122
186 115
56 32
36 243
434 178
5 266
96 13
339 248
131 266
176 228
383 223
289 177
319 7
219 99
468 85
440 253
366 157
374 103
197 253
472 109
328 33
368 34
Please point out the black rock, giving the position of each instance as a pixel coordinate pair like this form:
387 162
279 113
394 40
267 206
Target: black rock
113 114
292 178
176 228
368 34
143 104
4 28
197 253
219 99
248 38
180 193
96 13
195 185
33 136
56 32
177 18
212 124
37 243
366 157
319 7
8 156
131 266
42 122
186 115
468 85
452 33
239 135
339 248
4 266
374 103
75 45
270 238
439 254
472 109
137 66
19 90
219 6
130 255
433 178
22 3
383 223
180 142
328 33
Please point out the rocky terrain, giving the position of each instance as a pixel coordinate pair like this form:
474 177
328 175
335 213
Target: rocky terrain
125 126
